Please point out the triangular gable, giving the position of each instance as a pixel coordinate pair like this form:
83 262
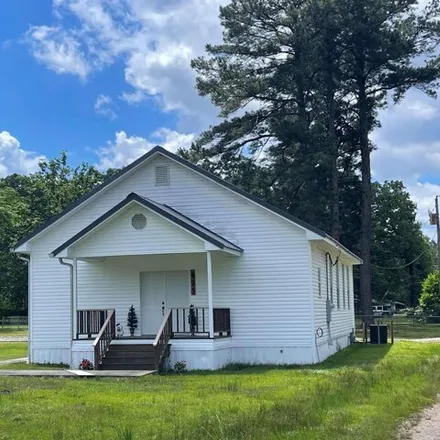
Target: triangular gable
166 231
313 233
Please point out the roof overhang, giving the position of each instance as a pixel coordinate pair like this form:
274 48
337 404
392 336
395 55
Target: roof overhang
23 246
213 241
332 244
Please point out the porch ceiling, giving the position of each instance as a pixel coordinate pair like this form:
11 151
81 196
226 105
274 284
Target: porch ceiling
194 236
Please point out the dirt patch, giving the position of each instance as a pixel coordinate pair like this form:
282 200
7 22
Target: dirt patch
423 426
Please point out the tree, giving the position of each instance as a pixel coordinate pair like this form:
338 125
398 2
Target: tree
430 298
273 57
316 72
402 256
389 47
25 203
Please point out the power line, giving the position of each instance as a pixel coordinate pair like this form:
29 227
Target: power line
405 265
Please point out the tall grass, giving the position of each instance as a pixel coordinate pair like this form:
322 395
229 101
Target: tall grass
360 393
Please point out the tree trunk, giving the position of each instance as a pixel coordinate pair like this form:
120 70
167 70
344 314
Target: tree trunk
366 200
332 144
334 151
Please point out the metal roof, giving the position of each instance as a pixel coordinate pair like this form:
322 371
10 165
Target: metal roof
163 210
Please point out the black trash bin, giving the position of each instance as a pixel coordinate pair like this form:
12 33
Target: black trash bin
378 333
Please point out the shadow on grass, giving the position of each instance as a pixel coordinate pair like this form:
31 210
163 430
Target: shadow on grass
357 355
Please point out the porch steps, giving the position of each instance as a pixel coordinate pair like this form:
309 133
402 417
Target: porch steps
129 357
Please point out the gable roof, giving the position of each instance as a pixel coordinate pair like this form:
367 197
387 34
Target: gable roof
163 210
198 170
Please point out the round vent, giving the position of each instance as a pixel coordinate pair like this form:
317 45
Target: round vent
139 221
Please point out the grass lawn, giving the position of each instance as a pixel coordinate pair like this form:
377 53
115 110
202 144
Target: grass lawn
12 350
13 330
405 328
361 393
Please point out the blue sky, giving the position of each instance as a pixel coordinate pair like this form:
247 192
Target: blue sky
108 79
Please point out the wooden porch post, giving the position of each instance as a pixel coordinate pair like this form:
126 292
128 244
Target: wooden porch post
210 306
75 299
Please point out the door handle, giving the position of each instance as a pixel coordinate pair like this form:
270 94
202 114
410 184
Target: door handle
163 308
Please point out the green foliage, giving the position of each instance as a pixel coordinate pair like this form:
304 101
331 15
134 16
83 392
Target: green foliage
398 242
430 297
180 367
25 203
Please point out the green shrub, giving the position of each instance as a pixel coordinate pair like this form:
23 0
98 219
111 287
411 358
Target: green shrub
430 297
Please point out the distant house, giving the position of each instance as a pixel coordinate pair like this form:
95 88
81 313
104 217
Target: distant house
164 235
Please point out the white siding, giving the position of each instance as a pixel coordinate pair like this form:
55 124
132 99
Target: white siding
336 334
115 282
267 288
118 237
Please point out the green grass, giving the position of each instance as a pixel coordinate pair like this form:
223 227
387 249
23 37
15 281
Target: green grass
13 330
26 366
405 328
360 393
12 350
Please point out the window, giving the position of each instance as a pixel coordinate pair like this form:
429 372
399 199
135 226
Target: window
162 175
348 287
193 282
319 282
338 290
343 287
139 221
329 277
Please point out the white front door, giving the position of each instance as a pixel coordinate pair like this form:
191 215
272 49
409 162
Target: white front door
161 291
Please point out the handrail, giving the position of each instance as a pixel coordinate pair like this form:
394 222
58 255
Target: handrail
161 328
104 338
162 339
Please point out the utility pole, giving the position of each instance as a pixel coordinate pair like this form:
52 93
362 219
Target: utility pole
438 236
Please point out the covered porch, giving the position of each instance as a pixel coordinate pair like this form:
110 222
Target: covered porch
162 263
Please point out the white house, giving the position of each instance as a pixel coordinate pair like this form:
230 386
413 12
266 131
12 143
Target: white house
163 235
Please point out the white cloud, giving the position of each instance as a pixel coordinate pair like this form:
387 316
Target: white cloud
409 150
125 149
133 98
58 50
103 107
155 39
424 195
13 159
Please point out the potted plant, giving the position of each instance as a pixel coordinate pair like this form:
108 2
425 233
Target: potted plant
132 321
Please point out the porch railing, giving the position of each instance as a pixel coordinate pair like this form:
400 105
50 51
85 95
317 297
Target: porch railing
194 321
104 338
89 322
163 337
222 322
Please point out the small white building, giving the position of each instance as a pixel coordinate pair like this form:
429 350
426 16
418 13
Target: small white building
216 276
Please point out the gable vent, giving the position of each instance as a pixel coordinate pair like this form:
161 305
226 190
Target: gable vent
139 221
162 175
